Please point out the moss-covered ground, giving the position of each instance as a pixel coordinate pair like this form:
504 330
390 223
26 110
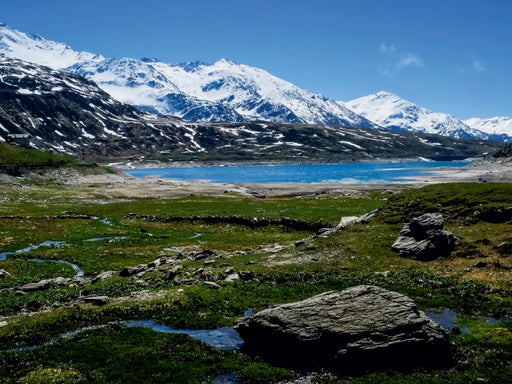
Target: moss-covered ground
279 264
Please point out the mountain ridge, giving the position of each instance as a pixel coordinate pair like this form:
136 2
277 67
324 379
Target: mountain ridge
222 91
67 113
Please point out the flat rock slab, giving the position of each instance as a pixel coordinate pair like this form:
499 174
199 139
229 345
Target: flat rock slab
359 329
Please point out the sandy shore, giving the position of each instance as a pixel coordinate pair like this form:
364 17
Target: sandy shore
122 185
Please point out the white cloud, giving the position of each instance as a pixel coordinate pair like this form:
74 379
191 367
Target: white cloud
473 65
477 66
387 48
397 61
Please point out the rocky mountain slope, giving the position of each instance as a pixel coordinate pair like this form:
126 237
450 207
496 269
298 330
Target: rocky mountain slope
67 113
393 112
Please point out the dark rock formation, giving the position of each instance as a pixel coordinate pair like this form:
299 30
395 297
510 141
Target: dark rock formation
94 300
359 329
423 238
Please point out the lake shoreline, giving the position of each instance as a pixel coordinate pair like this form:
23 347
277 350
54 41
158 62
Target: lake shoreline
121 185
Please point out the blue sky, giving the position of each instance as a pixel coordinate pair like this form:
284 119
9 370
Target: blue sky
452 56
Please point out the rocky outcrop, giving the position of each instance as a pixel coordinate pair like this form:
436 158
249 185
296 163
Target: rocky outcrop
358 329
423 238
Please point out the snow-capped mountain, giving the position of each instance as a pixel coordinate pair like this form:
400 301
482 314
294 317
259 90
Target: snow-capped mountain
67 113
495 127
227 91
235 91
224 91
393 112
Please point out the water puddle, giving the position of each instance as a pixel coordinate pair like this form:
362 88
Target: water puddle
79 272
228 378
220 338
106 222
3 255
445 318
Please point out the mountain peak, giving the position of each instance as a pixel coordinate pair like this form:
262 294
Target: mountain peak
393 112
36 49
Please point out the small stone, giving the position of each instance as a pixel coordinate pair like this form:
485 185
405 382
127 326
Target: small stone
103 276
169 274
246 275
212 285
4 273
232 277
95 300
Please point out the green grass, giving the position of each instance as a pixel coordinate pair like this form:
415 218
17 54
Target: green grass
360 254
11 154
120 355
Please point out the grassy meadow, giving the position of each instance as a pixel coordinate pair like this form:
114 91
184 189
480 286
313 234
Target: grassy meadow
279 264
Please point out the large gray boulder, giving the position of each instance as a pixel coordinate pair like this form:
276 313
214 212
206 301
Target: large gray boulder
423 238
361 328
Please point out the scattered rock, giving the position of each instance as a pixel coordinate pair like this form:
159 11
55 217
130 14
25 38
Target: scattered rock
44 284
361 328
103 276
495 215
423 238
504 248
212 284
128 271
246 275
232 277
204 254
169 274
94 300
348 220
4 273
298 243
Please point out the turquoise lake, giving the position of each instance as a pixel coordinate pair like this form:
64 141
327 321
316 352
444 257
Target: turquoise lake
346 173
